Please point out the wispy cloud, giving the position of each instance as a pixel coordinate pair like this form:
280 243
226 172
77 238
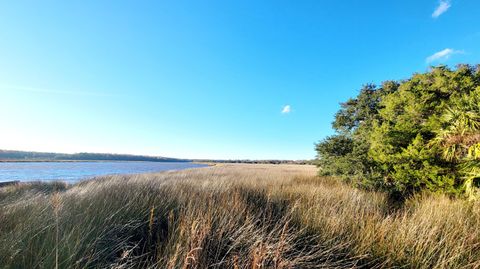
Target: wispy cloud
53 91
442 7
286 109
442 55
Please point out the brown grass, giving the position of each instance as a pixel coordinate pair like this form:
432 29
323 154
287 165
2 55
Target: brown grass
231 216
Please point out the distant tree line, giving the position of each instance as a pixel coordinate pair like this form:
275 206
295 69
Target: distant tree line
311 162
13 155
10 155
422 133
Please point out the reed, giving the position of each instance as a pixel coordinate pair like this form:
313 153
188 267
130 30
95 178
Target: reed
231 216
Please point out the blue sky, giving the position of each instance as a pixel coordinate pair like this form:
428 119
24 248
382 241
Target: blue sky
196 80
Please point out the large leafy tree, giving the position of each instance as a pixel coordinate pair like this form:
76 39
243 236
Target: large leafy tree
345 154
411 135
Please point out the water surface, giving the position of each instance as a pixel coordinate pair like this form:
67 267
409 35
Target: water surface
72 172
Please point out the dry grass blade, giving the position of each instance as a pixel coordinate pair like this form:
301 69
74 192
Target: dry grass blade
231 216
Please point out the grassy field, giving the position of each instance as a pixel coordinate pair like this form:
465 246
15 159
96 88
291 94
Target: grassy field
231 216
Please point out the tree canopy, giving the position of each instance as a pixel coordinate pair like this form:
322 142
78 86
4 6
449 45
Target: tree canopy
422 133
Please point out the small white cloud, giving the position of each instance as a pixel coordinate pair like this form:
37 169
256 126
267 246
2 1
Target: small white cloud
442 7
442 55
286 109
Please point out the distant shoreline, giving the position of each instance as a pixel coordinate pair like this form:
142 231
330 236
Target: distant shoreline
12 156
90 161
32 156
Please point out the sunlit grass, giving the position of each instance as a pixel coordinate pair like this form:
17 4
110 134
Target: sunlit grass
230 216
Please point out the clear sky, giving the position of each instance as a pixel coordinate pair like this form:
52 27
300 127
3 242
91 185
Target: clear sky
209 79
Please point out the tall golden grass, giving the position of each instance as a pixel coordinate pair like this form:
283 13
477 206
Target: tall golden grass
231 216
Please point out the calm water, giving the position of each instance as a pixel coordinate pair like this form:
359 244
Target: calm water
74 171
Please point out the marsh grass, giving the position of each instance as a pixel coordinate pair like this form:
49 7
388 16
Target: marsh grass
230 216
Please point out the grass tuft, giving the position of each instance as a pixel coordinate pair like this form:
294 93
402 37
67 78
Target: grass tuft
231 216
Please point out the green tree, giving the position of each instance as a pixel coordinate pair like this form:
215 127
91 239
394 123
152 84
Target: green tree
412 135
345 154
